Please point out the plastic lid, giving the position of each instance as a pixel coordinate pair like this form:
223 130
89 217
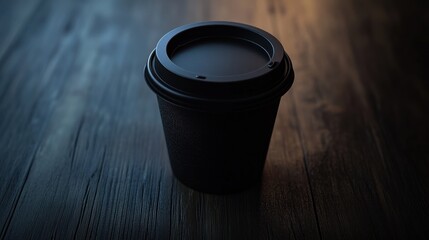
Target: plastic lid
219 64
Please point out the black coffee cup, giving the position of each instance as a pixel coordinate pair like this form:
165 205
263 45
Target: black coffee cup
219 86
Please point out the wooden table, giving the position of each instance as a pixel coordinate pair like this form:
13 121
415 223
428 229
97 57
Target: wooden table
82 151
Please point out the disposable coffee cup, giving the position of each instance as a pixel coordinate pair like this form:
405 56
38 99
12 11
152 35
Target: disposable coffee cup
219 86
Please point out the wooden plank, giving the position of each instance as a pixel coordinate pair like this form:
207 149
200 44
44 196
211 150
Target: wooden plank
81 172
27 94
361 185
397 96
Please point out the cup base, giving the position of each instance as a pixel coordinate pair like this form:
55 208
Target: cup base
218 190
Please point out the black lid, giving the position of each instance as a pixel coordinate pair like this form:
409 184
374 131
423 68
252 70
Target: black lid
219 64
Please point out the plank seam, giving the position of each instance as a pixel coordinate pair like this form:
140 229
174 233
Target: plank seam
15 204
304 152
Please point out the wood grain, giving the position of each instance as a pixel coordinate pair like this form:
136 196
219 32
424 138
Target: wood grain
82 148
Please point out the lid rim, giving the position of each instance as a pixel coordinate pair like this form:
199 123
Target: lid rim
165 60
185 88
165 91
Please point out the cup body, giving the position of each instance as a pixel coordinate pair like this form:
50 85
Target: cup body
217 152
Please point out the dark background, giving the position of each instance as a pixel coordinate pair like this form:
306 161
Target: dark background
82 151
